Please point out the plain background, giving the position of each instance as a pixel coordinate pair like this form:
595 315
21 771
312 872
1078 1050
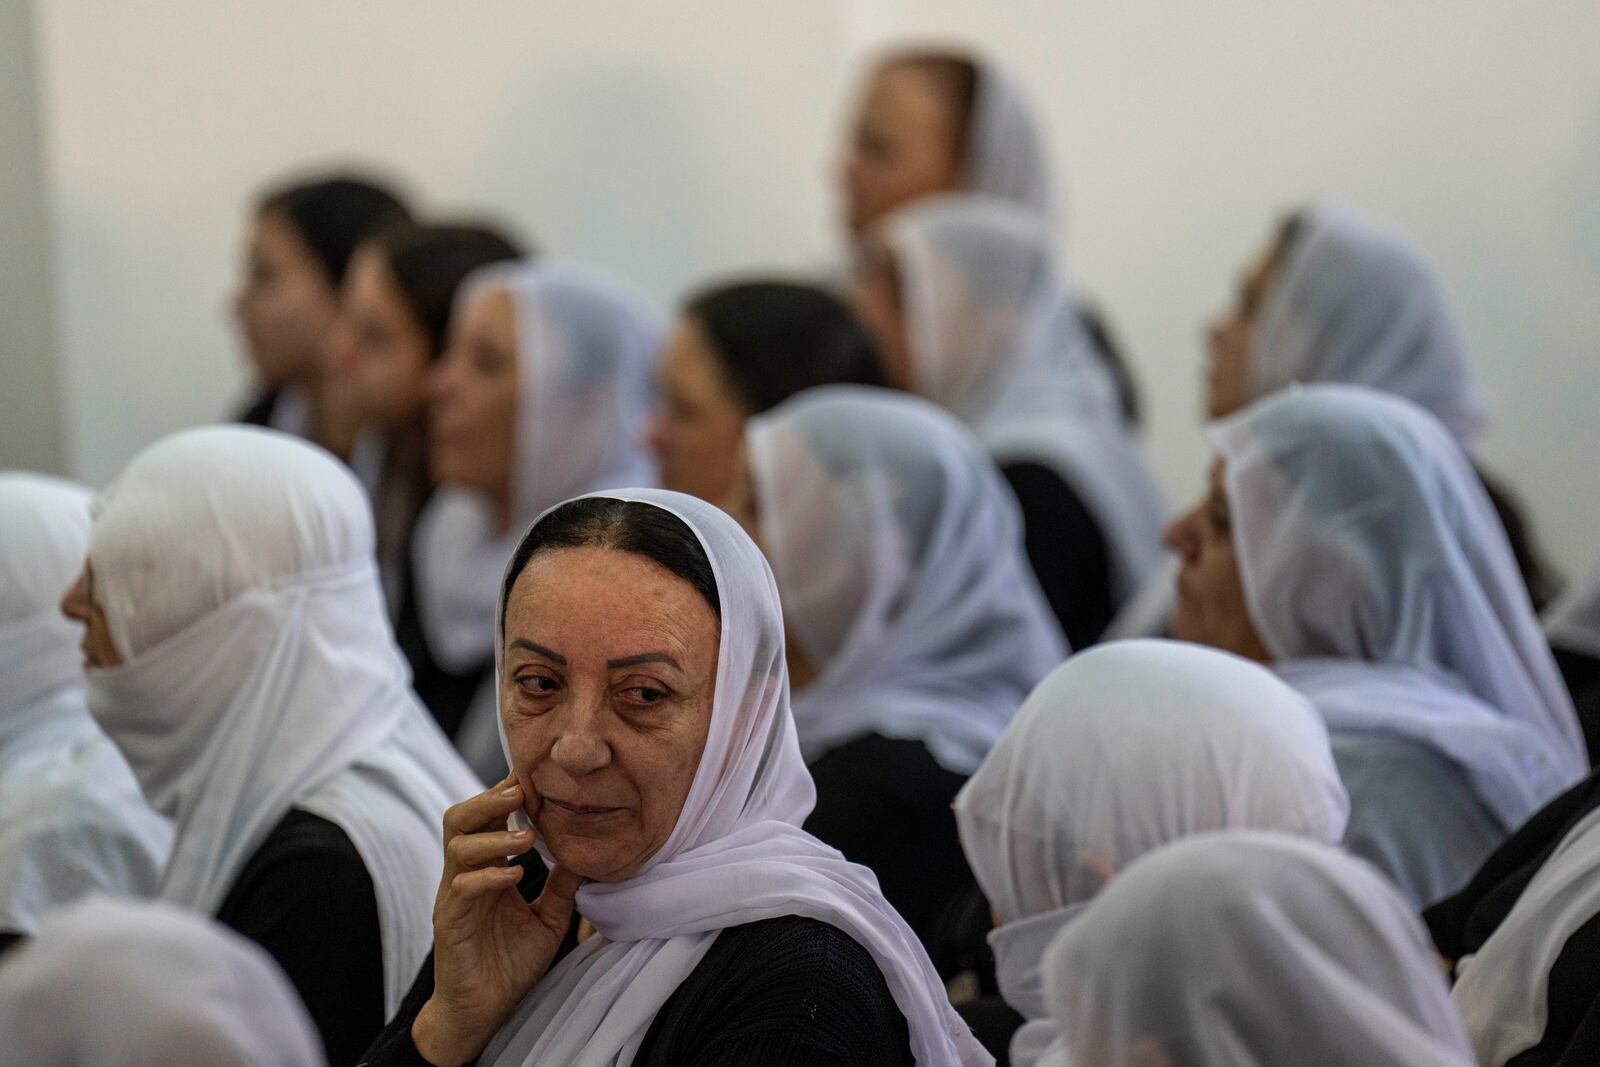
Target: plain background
675 142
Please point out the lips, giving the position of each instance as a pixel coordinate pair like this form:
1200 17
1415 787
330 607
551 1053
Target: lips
581 812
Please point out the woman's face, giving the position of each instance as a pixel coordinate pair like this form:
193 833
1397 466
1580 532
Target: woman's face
472 438
903 145
1212 609
285 306
608 676
384 349
697 431
877 303
79 605
1232 334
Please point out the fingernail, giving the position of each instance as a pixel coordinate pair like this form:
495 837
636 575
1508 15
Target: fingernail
511 790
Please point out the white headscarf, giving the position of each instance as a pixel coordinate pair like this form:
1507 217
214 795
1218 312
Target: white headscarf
1503 988
1005 151
1251 949
1356 303
71 817
1573 621
259 674
996 340
736 856
1379 577
586 346
898 551
148 985
1122 749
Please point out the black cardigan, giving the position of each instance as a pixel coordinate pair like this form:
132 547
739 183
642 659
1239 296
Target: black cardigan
1067 550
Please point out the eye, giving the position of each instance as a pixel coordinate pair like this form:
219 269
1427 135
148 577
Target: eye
644 695
537 685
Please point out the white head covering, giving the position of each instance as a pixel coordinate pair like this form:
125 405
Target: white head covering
1358 304
1122 749
737 855
996 340
586 346
235 569
1573 621
148 985
1380 579
71 817
1004 147
1251 949
1503 988
898 551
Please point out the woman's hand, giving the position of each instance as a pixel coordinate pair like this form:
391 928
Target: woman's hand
489 945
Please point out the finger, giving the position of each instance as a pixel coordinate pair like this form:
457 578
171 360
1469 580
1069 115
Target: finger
470 887
486 810
557 901
467 852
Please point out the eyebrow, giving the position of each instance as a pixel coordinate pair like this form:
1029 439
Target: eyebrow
611 664
540 650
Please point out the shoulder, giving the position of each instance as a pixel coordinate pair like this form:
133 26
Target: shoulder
304 858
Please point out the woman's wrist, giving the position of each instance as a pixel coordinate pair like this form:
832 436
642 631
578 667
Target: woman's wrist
436 1041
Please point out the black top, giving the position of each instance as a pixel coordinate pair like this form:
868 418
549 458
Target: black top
258 412
1462 923
1067 549
445 693
787 992
1582 675
306 897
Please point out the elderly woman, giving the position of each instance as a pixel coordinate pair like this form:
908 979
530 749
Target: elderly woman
970 313
1123 749
239 656
1347 542
1249 947
542 394
71 816
149 985
656 790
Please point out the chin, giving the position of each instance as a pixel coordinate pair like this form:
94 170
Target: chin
594 859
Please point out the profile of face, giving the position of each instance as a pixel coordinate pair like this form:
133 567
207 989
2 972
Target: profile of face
1212 609
473 413
382 348
877 302
285 306
904 144
1231 335
79 605
697 431
608 676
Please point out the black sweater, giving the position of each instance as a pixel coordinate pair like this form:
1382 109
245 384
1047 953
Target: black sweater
786 992
1067 550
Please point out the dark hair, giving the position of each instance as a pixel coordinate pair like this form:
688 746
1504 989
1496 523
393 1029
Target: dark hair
626 525
1290 227
775 339
955 78
429 263
1541 581
334 215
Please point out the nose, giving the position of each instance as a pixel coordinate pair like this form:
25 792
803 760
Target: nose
1182 536
73 602
580 747
655 433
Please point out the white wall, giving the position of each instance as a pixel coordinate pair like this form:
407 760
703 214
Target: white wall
670 141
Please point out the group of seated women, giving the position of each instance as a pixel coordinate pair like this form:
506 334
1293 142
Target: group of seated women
816 680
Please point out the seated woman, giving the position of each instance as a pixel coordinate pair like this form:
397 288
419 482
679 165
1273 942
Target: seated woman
1249 947
397 299
739 350
1572 625
1347 542
970 313
239 656
542 393
1122 749
914 625
149 985
72 820
1523 937
644 706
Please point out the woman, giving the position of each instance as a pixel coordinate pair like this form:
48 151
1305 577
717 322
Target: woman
1523 936
71 817
969 312
739 350
1347 542
1249 947
396 307
149 985
300 243
1572 625
915 627
644 710
239 656
542 394
1123 749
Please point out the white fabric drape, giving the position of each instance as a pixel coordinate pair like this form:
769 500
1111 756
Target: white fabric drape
898 552
1005 149
1124 748
1379 577
737 855
996 340
1250 949
259 673
71 817
1356 303
148 985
